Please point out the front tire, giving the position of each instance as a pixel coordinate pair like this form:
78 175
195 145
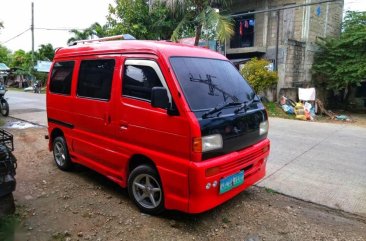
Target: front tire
4 107
7 205
61 154
145 189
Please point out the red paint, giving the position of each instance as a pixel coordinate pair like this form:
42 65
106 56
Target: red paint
105 135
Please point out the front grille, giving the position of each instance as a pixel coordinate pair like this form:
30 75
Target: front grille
248 159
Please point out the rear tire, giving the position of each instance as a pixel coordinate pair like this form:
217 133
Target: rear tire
4 107
61 154
145 189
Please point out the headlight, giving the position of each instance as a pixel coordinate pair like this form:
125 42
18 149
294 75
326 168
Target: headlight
263 128
211 142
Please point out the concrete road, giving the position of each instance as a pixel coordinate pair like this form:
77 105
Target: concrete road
319 162
27 106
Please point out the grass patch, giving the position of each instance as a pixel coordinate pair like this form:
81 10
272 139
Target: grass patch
274 110
269 190
8 225
15 89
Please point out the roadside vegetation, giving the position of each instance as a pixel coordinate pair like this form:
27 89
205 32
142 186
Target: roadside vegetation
8 225
274 110
340 63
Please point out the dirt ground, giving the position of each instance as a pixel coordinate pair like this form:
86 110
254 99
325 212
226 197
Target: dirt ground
83 205
356 119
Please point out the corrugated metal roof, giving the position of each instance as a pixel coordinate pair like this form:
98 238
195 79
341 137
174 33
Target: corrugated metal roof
3 67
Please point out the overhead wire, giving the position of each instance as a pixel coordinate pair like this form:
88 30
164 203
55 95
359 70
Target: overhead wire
60 29
16 36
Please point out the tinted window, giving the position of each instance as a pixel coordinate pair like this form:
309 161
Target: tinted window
139 80
61 77
95 78
207 83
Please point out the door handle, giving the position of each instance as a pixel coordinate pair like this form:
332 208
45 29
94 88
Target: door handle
107 119
123 126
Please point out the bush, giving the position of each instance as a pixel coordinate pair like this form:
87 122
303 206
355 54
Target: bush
256 72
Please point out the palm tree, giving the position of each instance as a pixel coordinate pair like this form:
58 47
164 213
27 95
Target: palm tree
95 30
203 15
79 35
98 30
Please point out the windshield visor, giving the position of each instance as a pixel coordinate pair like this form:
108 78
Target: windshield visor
207 83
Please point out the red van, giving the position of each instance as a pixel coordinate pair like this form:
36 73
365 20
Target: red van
177 125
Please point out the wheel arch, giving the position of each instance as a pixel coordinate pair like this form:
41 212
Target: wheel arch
138 160
56 132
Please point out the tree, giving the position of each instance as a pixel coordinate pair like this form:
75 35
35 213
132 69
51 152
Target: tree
135 17
256 72
80 35
45 52
22 60
341 62
98 30
5 55
203 16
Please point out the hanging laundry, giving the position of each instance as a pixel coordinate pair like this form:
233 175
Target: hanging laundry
246 24
241 28
251 22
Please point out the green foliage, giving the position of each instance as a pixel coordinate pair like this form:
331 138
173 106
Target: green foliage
134 17
80 35
274 110
8 226
45 52
5 55
202 17
95 30
341 62
22 60
257 74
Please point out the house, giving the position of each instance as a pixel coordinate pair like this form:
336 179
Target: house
3 72
284 32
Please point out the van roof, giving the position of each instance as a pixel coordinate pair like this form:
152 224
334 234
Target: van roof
165 48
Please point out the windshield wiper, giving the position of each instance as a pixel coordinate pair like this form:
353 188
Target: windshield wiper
219 107
245 105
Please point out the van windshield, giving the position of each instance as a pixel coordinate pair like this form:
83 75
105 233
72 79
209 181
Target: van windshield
207 83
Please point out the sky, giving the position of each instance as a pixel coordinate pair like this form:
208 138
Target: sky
65 14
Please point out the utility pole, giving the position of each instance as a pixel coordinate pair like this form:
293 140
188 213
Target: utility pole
32 29
277 39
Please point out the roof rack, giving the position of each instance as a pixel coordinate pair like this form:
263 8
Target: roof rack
122 36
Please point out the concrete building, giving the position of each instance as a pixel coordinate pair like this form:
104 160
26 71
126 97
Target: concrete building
286 37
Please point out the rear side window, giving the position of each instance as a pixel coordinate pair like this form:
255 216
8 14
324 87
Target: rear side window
95 78
61 77
138 80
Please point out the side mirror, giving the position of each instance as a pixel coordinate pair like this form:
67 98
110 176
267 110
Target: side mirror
159 97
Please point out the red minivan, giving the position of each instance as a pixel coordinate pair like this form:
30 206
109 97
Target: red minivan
177 125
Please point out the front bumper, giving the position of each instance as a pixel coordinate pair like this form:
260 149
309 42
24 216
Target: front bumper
252 160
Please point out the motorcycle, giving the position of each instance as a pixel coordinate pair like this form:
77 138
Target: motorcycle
4 106
37 87
8 164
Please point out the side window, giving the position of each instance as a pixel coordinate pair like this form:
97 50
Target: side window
138 80
61 77
95 78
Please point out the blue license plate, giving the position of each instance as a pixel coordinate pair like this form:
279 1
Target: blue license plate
232 181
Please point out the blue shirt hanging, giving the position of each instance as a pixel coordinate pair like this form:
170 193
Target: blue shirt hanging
318 11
